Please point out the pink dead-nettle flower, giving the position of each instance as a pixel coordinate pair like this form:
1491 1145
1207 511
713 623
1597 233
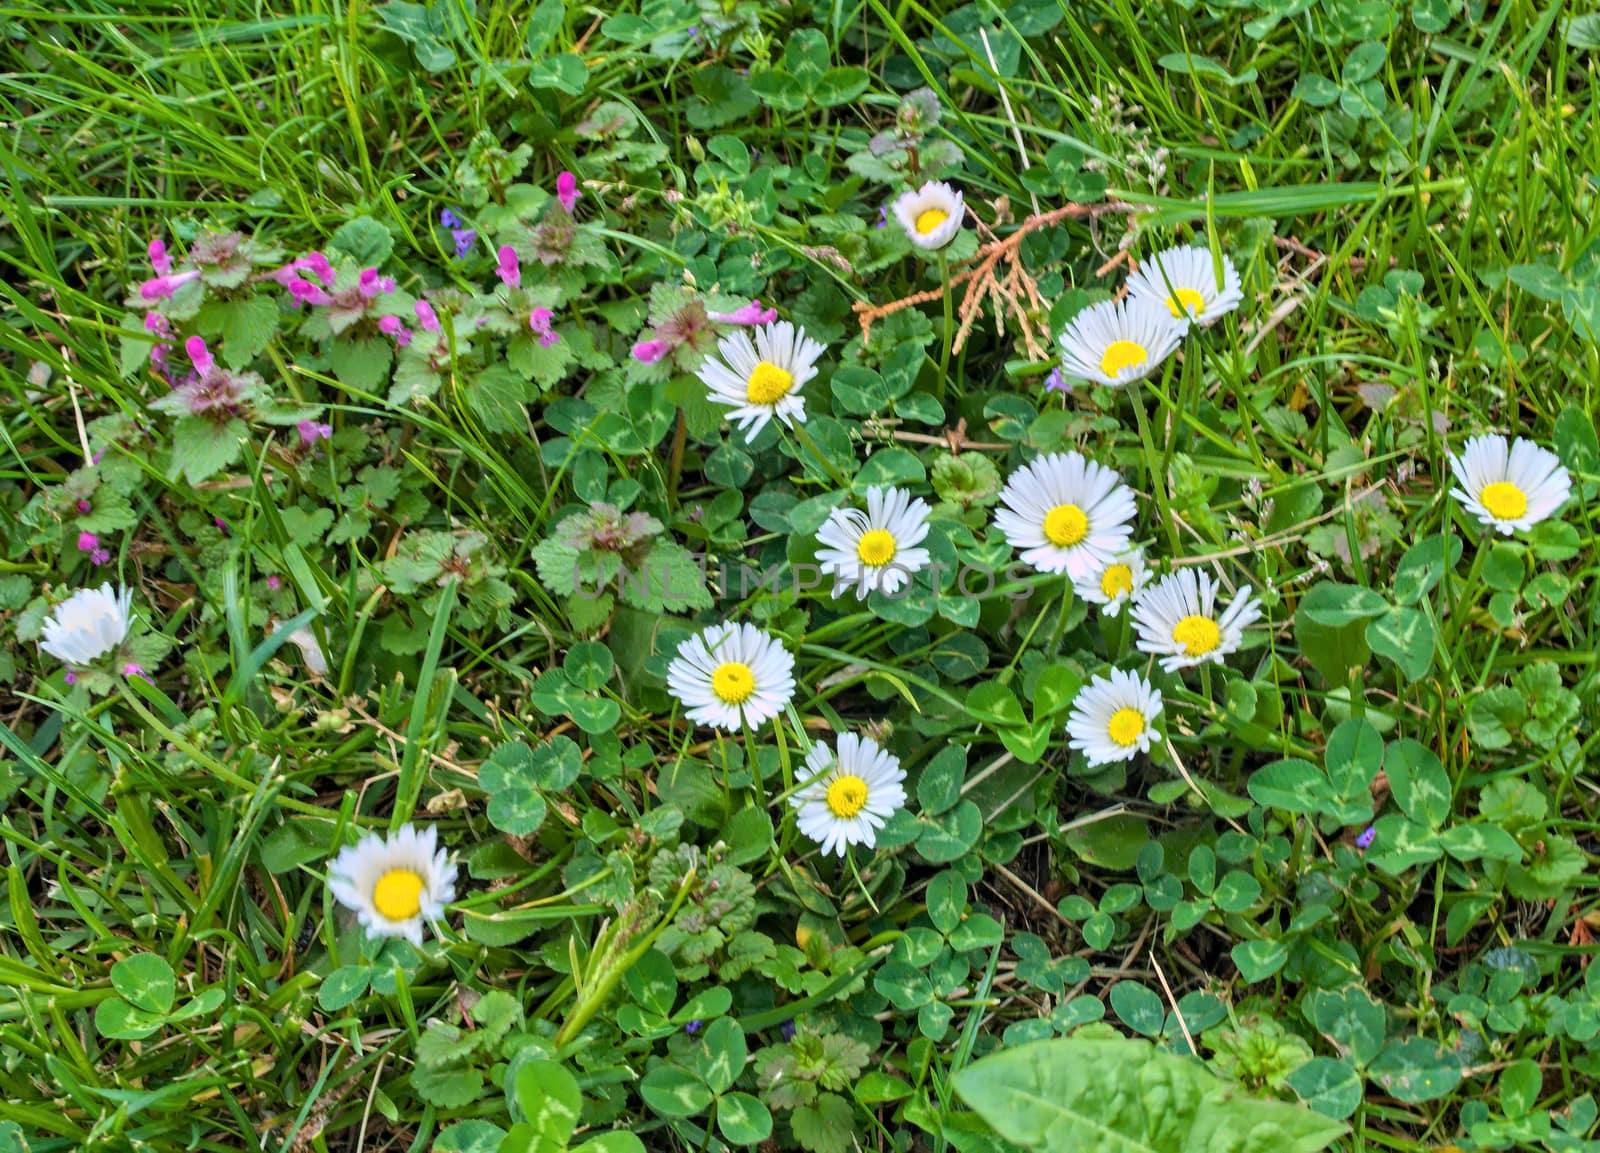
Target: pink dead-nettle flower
392 326
371 284
70 677
650 351
99 556
304 292
751 315
199 355
426 317
567 191
539 322
510 269
88 542
159 260
132 669
311 431
162 287
84 506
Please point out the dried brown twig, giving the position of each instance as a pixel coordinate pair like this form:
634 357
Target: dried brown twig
1012 288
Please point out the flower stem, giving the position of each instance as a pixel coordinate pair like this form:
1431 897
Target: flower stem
944 344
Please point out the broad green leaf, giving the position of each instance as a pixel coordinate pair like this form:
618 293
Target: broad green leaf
1331 1087
1406 637
1419 783
1122 1096
1416 1070
1349 1018
145 981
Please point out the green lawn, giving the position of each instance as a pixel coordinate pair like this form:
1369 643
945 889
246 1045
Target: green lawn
490 751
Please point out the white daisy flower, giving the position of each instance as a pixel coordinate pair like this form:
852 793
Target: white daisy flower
730 671
847 798
1184 281
1509 487
88 625
875 549
1114 585
1119 342
931 215
1113 717
761 380
1067 513
395 883
1178 622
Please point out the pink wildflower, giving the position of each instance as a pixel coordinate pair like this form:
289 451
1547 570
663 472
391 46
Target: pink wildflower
274 582
510 270
650 351
539 322
751 315
199 355
304 292
426 317
162 287
393 326
159 260
567 191
88 542
132 669
311 431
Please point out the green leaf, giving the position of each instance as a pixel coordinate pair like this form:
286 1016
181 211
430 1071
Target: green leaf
1422 566
1330 1087
588 665
469 1137
1258 960
1123 1096
946 898
548 1100
343 987
1416 1070
939 786
1363 62
1333 649
674 1092
951 835
1350 1019
827 1125
201 448
720 1054
995 704
1138 1007
1420 785
145 981
1291 784
366 241
1407 638
245 327
116 1019
1317 91
743 1119
1335 605
566 72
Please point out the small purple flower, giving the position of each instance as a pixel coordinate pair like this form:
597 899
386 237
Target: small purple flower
694 1027
694 30
162 287
787 1029
85 507
304 292
1057 381
274 582
1365 838
567 191
650 351
70 677
132 669
371 284
539 322
199 355
222 525
427 318
465 238
751 315
311 432
159 260
393 326
99 557
448 219
88 542
510 270
883 217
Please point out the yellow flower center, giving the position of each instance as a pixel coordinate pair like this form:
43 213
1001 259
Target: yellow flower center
847 795
1121 354
876 547
1125 726
1186 302
1504 500
1065 525
768 384
1197 635
929 219
733 683
398 895
1116 580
